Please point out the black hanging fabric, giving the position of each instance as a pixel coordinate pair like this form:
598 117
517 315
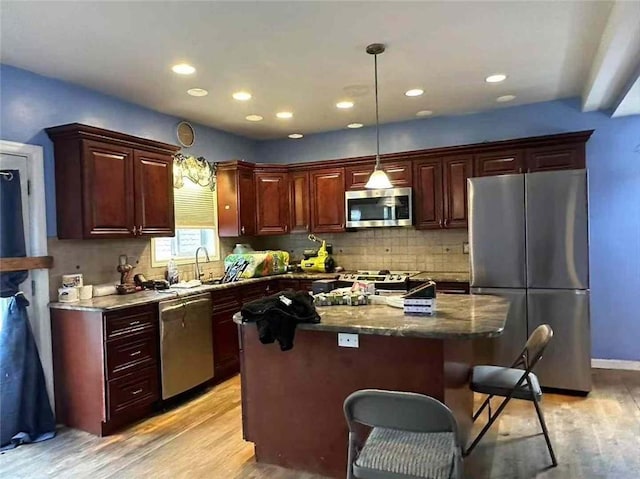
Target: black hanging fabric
25 412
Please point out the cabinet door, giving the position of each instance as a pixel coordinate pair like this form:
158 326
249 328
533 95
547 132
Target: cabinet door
226 349
272 203
428 209
154 194
327 200
107 194
456 170
499 163
247 202
399 173
299 201
235 189
559 157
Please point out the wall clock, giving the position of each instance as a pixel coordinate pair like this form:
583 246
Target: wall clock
186 134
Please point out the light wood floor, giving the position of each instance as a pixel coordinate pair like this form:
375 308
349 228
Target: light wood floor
594 437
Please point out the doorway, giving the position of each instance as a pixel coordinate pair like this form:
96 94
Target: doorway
28 160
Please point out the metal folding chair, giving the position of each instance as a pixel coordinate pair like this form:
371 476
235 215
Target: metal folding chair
411 436
517 382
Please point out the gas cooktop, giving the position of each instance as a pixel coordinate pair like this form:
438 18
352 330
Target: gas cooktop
378 276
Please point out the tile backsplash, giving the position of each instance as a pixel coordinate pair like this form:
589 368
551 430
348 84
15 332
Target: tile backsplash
384 248
376 248
97 260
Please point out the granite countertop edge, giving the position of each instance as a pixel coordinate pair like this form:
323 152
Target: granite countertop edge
457 317
140 298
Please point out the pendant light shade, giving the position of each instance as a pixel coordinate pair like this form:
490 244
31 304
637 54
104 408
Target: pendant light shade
378 179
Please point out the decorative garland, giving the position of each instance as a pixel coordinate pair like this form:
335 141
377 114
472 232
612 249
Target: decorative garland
198 170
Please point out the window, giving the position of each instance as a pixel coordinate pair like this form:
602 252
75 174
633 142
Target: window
196 225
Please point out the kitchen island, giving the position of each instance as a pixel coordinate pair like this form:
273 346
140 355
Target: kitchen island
292 401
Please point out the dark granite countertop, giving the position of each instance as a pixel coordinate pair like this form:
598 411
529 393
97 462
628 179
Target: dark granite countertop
120 301
442 276
457 317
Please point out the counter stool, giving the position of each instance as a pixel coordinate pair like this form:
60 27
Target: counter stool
413 436
515 382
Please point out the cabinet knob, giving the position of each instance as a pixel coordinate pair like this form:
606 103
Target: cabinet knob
286 227
242 230
446 223
440 223
134 231
140 230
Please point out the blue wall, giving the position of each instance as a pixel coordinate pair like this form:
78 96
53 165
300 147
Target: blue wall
29 103
613 161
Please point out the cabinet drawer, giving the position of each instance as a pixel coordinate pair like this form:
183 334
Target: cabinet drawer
260 290
131 352
226 299
130 320
133 391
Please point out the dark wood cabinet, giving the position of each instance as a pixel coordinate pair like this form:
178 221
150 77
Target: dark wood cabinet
111 185
299 205
106 366
399 173
501 162
236 199
272 202
440 191
556 157
153 180
428 209
327 200
226 355
456 170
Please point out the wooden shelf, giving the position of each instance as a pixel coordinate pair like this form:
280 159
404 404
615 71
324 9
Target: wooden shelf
30 262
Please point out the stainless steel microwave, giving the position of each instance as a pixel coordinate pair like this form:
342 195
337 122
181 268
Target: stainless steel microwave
374 208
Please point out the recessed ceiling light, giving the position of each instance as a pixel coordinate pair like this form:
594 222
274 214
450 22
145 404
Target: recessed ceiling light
253 117
496 78
183 69
355 125
424 113
197 92
242 95
296 136
505 98
344 104
414 92
284 115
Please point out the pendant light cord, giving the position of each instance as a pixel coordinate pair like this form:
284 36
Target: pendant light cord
375 68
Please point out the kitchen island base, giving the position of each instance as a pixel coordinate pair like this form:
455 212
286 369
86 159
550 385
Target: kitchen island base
292 401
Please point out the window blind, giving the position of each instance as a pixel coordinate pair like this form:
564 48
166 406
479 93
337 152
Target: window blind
194 206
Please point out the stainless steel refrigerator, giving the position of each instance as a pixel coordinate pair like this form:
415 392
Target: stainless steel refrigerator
528 237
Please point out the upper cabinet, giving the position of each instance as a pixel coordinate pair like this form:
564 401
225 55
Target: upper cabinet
236 199
111 185
556 157
327 200
399 173
456 170
272 201
502 162
428 209
440 191
299 205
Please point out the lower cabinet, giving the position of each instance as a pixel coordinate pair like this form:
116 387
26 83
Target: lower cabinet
226 355
106 367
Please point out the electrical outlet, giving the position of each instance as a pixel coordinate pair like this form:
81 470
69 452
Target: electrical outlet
348 340
465 247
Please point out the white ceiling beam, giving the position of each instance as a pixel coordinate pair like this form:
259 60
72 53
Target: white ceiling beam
629 102
616 60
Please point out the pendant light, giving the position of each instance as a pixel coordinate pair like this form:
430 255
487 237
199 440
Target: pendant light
378 179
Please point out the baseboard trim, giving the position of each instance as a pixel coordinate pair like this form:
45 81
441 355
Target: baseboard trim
615 364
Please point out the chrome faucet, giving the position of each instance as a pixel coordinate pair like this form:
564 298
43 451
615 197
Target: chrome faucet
199 273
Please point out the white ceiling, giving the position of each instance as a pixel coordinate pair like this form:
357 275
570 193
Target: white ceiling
300 56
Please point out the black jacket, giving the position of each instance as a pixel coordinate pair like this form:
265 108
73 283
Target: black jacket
277 316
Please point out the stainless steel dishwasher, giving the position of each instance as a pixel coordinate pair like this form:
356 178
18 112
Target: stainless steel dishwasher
186 343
